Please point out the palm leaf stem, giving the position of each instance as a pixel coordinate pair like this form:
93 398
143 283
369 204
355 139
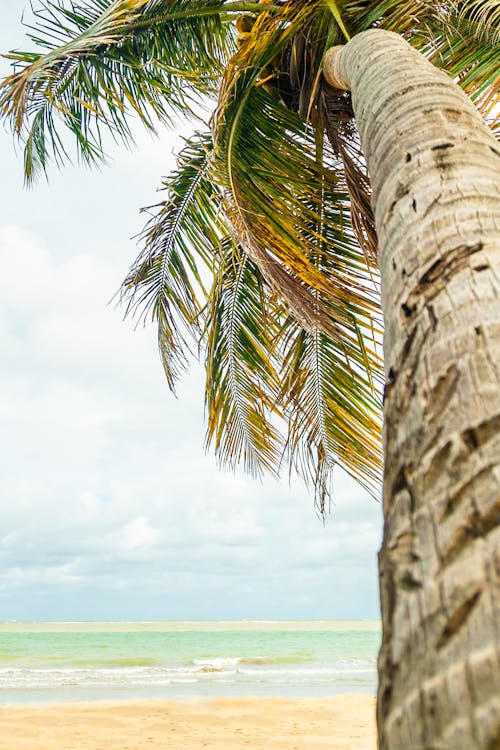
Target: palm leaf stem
227 10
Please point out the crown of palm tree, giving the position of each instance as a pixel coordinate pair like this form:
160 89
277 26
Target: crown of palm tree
270 202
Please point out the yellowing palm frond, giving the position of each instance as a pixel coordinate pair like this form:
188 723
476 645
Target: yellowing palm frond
242 383
288 204
333 416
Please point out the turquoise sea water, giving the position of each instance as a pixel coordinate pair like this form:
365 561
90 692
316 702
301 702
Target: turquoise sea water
42 662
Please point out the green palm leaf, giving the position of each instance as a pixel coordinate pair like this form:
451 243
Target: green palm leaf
166 283
331 405
104 61
333 416
468 47
329 422
242 384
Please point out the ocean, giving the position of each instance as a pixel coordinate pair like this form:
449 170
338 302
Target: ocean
54 662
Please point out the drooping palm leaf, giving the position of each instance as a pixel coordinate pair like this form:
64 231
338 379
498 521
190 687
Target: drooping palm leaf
166 283
290 212
328 416
332 409
105 60
242 384
484 14
269 162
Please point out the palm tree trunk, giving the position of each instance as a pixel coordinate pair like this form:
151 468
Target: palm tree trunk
435 171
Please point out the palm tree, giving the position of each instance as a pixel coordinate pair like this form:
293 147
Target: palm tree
266 257
436 198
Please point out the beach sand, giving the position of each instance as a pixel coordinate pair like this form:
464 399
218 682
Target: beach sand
345 722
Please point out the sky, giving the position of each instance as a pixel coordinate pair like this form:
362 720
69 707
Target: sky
110 509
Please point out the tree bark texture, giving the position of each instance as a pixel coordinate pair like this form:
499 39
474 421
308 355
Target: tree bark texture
435 171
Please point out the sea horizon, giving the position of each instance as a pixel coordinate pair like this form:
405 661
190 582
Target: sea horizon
331 625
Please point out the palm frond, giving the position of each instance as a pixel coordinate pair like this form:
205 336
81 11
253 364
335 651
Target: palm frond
269 163
242 384
105 60
167 281
329 397
266 156
333 416
335 8
484 14
290 212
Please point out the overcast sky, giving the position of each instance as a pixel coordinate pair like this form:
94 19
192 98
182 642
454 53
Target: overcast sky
109 507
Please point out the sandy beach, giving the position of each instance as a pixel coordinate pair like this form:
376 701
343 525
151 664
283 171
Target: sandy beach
345 722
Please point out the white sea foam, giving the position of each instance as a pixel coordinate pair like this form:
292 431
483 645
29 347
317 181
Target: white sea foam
228 670
216 664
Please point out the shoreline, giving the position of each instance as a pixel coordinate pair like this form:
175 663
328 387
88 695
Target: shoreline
345 722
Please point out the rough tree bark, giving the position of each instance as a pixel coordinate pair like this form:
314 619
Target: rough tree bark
435 171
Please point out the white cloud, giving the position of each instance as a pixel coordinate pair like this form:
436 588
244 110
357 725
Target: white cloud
137 534
105 485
